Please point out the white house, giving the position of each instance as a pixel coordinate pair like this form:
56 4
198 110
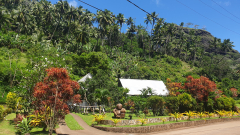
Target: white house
87 76
135 85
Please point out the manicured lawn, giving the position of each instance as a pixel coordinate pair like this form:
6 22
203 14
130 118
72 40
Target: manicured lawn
159 123
7 128
89 118
72 123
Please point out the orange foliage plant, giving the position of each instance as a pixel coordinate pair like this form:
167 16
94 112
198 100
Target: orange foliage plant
173 87
234 92
52 95
200 88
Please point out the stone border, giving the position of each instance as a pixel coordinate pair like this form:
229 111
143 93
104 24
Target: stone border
149 120
162 127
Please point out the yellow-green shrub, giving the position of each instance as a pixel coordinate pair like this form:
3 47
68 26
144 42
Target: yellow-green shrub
115 121
98 118
1 112
11 100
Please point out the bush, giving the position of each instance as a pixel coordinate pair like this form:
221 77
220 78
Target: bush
174 61
186 103
24 127
8 111
172 104
38 121
225 103
11 100
1 112
156 103
210 105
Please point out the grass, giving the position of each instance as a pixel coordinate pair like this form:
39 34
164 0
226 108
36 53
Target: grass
7 128
166 122
72 123
89 118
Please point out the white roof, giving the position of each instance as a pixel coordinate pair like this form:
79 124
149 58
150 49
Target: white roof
135 85
85 77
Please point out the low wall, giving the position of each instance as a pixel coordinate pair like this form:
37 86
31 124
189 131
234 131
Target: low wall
162 127
149 120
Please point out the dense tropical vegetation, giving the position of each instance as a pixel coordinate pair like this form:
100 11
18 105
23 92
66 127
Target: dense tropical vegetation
37 35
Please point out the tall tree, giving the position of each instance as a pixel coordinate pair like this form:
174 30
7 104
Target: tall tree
53 94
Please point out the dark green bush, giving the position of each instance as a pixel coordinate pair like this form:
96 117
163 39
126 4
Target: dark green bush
210 105
156 103
172 104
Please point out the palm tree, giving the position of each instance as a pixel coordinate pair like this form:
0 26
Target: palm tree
101 96
120 20
130 21
182 39
131 32
104 19
4 16
226 45
157 33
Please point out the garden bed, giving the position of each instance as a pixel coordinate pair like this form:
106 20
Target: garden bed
162 127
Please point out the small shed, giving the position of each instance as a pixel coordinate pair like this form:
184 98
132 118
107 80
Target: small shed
135 85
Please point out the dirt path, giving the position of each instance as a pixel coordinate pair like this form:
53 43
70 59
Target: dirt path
227 128
88 130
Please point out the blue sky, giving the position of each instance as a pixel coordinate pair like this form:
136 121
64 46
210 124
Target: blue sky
214 18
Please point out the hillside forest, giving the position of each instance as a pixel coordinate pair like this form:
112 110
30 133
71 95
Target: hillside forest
37 35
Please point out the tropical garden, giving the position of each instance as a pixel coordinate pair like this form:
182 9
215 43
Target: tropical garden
46 48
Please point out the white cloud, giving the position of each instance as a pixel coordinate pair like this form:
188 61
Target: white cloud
224 3
73 3
227 3
157 2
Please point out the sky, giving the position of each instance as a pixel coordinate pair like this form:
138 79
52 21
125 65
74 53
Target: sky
221 21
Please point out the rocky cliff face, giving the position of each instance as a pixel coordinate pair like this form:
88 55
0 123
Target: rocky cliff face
206 37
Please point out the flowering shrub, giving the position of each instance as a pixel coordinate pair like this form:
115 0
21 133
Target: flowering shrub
11 100
163 120
115 121
201 115
143 121
98 118
220 113
176 115
190 114
209 114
